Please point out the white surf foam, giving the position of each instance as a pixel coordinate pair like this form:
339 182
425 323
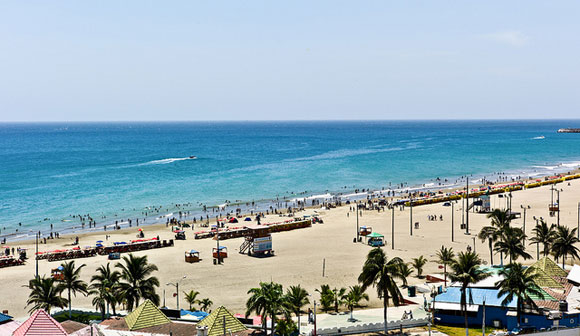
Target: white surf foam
168 160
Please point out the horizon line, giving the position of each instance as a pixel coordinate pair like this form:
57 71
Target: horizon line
273 120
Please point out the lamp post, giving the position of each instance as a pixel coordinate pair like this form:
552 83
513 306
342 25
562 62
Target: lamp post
558 191
357 224
552 195
411 216
36 255
462 208
467 208
578 227
217 235
473 244
176 285
537 244
524 207
451 205
393 225
314 333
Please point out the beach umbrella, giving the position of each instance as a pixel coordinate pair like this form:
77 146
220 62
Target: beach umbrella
140 229
248 219
99 241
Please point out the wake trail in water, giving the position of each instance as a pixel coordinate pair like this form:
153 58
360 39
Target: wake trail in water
167 161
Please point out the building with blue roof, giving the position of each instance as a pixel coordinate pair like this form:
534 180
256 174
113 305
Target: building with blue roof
558 304
4 318
447 307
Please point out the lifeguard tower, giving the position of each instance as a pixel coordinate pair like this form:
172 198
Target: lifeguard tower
257 242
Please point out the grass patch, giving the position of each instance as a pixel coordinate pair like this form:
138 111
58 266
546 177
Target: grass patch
82 317
460 331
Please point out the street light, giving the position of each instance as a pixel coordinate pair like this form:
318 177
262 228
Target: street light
393 225
451 205
537 244
176 284
314 333
467 209
558 191
552 189
525 207
357 224
411 216
36 255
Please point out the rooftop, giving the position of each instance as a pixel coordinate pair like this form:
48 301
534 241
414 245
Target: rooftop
475 296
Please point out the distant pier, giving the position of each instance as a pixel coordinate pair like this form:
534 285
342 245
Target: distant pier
569 130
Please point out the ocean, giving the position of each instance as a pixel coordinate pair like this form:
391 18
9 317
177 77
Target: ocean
115 171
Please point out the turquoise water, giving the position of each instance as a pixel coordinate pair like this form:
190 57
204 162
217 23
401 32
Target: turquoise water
53 170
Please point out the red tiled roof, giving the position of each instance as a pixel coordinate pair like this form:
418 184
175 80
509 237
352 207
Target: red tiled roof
560 294
40 324
175 328
552 305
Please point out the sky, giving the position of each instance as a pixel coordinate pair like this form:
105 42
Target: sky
288 60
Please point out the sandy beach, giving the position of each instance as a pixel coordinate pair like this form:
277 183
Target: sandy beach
299 254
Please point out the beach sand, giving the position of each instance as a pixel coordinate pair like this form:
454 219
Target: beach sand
299 254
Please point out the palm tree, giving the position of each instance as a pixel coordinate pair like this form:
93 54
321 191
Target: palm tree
286 327
445 256
406 272
418 264
205 304
564 244
105 285
381 273
326 297
99 301
491 234
44 294
258 303
466 270
337 295
500 219
518 284
191 298
268 299
296 298
545 235
353 298
137 283
511 243
72 282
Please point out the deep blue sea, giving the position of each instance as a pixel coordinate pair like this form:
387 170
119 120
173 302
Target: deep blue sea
52 170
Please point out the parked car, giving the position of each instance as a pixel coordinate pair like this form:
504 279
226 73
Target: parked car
523 330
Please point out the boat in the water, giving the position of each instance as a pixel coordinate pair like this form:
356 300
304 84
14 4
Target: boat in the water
569 130
193 157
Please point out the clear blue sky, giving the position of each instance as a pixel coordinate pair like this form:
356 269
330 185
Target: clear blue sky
242 60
